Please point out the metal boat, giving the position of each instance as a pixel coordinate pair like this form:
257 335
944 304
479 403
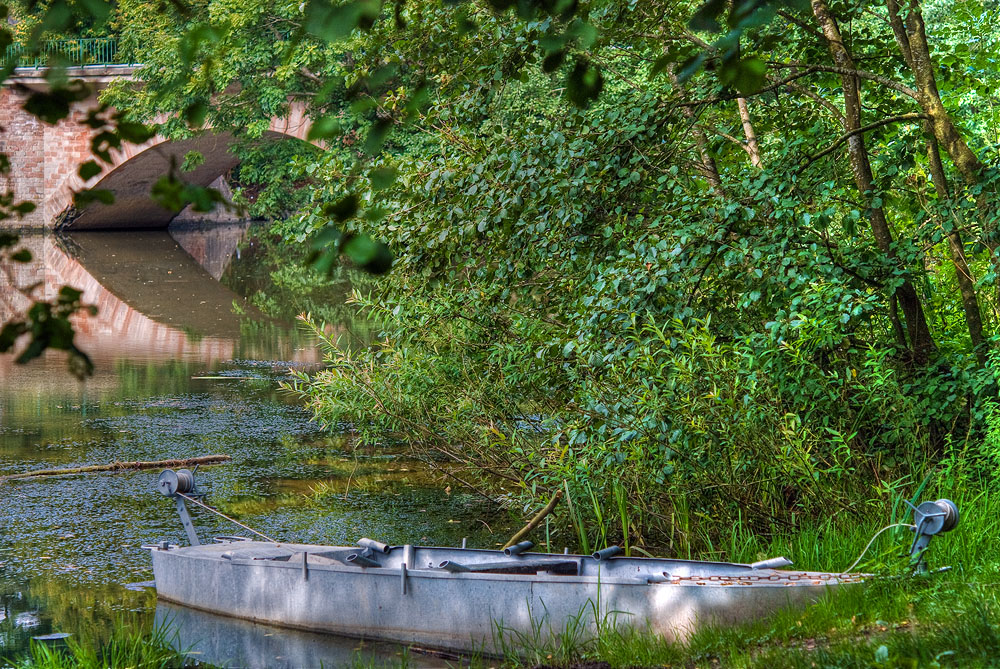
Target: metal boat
471 600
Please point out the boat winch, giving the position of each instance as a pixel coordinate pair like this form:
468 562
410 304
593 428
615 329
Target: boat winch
929 520
180 486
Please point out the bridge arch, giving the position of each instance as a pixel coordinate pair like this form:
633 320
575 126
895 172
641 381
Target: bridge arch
135 169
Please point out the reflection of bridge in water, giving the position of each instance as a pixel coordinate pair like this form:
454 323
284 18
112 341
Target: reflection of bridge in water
157 294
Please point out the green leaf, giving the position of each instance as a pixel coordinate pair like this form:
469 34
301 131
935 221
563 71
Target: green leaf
56 19
98 9
200 198
343 209
136 133
10 333
86 197
68 294
383 177
168 193
332 22
102 143
24 255
707 17
193 38
660 64
192 161
690 66
747 76
49 107
584 83
552 61
377 135
195 113
371 256
89 170
325 127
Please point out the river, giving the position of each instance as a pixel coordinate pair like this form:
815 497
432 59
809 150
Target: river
185 365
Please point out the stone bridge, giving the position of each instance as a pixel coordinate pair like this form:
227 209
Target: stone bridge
45 158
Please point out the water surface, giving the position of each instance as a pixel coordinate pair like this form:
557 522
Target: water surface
185 366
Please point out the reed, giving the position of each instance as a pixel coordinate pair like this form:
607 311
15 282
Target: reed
128 645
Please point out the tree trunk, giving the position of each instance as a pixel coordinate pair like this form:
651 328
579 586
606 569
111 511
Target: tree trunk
753 148
919 60
911 36
921 342
966 283
709 169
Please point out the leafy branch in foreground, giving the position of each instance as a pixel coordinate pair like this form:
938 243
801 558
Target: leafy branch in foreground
46 323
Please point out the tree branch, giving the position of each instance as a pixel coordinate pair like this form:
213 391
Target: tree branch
902 118
861 74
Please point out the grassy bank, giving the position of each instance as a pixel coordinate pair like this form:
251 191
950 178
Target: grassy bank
945 619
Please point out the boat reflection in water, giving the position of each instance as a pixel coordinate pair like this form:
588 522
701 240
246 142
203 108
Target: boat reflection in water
231 642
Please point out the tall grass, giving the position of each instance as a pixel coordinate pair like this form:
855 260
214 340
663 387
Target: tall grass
895 619
128 645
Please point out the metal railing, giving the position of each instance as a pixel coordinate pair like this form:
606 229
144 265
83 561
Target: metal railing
70 52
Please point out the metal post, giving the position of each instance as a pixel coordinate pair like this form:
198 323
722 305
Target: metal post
186 520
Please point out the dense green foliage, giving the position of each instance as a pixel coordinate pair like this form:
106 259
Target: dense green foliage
701 266
667 320
680 260
679 274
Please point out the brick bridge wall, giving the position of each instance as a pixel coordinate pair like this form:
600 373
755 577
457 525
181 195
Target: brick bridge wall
45 158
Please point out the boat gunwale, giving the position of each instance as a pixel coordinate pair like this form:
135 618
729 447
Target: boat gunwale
803 578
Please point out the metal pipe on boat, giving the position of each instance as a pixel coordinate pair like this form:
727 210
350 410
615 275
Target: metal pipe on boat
517 549
454 567
607 553
358 560
376 546
409 556
772 563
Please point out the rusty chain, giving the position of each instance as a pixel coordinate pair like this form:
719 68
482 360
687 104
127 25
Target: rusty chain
776 578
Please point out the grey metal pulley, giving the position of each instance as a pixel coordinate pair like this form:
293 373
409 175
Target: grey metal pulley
172 482
929 520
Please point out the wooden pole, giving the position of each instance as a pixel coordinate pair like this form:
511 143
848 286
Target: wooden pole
533 523
120 466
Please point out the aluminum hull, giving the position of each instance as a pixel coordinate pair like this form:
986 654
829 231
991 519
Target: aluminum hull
312 588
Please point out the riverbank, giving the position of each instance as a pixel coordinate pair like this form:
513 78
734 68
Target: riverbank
946 618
